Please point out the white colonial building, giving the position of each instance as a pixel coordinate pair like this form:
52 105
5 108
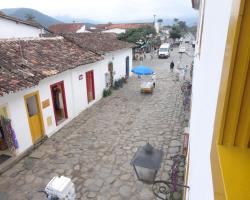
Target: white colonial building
44 86
15 28
115 30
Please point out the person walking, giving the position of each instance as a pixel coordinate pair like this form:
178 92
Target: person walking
152 54
154 79
144 54
185 72
141 58
191 70
172 66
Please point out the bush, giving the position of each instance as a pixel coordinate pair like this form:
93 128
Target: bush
107 92
119 83
116 85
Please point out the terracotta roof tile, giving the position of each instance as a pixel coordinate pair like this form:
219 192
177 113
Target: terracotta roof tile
123 26
99 42
65 28
23 63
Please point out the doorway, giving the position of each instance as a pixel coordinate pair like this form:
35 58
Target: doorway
8 141
32 102
127 66
111 72
59 102
90 86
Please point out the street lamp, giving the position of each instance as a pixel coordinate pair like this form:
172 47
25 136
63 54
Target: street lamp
146 162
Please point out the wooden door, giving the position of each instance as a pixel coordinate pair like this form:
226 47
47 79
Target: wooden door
127 66
59 102
90 85
110 69
34 115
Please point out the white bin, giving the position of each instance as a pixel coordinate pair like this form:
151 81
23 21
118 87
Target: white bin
61 187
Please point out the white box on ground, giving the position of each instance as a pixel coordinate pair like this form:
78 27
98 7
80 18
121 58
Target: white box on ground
61 187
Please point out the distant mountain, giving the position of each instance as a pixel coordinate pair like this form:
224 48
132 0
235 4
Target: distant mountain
69 19
190 21
21 13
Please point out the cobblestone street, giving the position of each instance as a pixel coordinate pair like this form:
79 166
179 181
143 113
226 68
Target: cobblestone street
95 148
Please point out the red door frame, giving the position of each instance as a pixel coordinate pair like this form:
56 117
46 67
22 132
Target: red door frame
90 74
64 99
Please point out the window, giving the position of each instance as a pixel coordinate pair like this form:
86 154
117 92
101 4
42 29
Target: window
107 80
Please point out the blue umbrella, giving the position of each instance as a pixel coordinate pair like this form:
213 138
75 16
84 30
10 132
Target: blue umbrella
142 70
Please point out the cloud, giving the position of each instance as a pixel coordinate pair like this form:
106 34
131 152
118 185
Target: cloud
108 10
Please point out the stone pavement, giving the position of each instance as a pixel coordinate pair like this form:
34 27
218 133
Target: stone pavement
95 149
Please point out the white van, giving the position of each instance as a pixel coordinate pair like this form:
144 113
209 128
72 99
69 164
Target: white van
164 51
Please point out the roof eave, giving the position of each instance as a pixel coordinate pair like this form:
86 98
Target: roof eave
39 26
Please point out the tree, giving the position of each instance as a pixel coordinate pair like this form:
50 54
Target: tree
192 29
137 34
160 21
175 32
182 25
176 20
30 17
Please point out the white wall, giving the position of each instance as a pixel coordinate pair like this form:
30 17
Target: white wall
206 80
119 62
75 93
115 30
81 30
11 29
17 111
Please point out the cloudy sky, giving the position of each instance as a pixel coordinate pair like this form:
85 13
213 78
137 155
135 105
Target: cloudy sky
108 10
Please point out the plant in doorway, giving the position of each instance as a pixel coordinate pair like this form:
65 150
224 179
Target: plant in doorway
120 82
116 85
107 92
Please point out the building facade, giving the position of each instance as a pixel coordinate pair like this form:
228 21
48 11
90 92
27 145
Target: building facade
219 125
51 87
115 30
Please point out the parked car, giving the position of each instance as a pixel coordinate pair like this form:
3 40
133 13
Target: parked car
164 51
175 44
193 44
182 49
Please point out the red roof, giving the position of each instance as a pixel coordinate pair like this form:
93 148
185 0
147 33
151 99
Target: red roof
98 42
123 26
65 28
23 63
